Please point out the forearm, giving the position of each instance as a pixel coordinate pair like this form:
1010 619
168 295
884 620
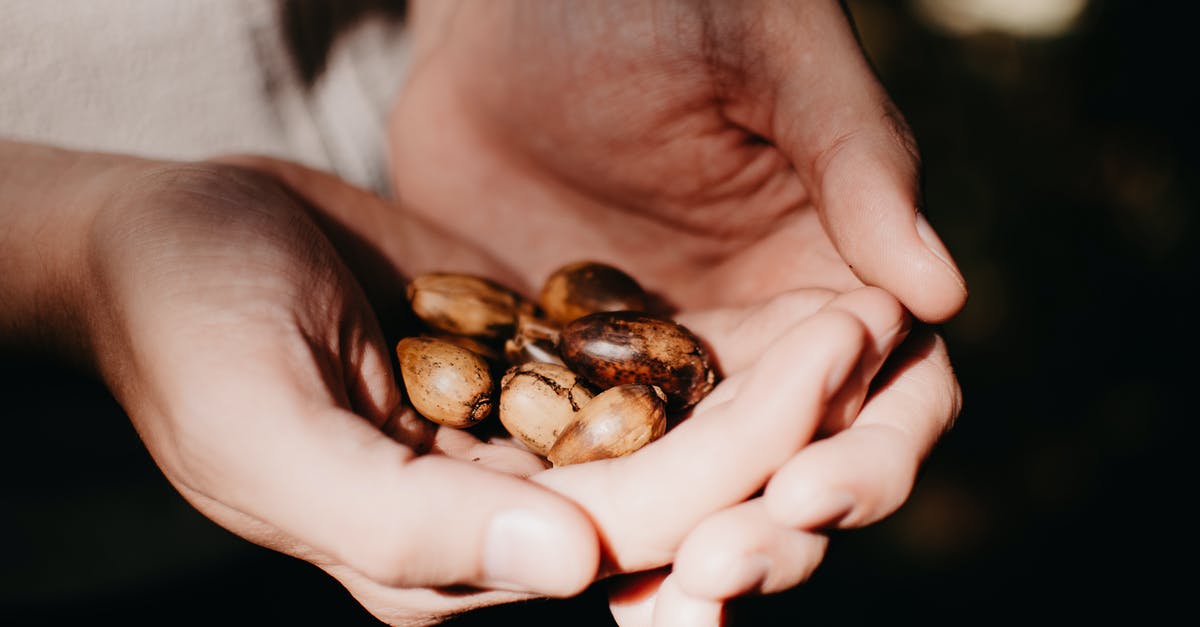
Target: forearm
48 199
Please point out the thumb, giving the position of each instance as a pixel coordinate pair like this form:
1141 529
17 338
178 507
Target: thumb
853 149
337 486
867 190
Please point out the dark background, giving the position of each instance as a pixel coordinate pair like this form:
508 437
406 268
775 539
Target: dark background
1061 172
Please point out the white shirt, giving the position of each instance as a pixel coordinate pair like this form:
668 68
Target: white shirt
189 79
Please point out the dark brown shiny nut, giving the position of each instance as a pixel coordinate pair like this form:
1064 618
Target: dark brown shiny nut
446 383
463 304
538 400
585 287
618 347
535 339
616 422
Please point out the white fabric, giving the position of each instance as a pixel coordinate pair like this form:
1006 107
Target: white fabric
189 79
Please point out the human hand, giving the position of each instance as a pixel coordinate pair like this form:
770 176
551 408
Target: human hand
620 496
248 359
745 143
722 152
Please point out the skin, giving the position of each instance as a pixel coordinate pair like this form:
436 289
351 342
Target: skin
752 137
248 356
231 307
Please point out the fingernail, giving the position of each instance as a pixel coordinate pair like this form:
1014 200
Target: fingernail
750 574
823 509
934 244
519 545
894 336
838 373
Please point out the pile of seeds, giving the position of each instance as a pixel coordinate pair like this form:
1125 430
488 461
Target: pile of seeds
582 372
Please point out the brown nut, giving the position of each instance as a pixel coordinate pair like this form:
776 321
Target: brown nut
538 400
446 383
585 287
464 304
535 339
487 351
616 422
618 347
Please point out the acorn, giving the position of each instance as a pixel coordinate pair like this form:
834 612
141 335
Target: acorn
446 383
464 304
621 347
585 287
538 400
615 423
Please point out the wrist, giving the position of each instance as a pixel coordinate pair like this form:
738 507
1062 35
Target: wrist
49 199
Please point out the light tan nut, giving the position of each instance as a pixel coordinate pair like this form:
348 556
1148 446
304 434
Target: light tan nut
446 383
464 304
538 400
615 423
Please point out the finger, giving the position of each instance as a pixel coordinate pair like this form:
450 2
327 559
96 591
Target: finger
331 480
852 148
740 551
392 605
675 608
887 325
726 453
631 597
506 458
866 472
737 336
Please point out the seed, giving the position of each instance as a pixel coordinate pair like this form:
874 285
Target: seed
621 347
538 400
585 287
616 422
446 383
464 304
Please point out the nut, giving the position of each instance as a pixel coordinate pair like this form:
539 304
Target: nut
621 347
616 422
538 400
464 304
446 383
585 287
535 339
485 350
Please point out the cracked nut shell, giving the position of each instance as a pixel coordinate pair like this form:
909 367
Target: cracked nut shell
538 400
621 347
615 423
446 383
535 339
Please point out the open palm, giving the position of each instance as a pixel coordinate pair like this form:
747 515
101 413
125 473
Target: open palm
722 152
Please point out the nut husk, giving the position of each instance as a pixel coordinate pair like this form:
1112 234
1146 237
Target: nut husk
535 339
538 400
464 304
585 287
620 347
446 383
616 422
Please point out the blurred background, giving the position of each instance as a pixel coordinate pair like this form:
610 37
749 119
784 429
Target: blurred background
1060 144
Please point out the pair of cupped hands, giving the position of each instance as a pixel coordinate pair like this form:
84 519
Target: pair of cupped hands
739 159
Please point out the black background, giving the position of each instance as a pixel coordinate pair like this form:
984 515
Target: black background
1060 172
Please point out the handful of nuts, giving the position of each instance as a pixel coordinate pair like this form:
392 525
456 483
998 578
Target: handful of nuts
584 372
